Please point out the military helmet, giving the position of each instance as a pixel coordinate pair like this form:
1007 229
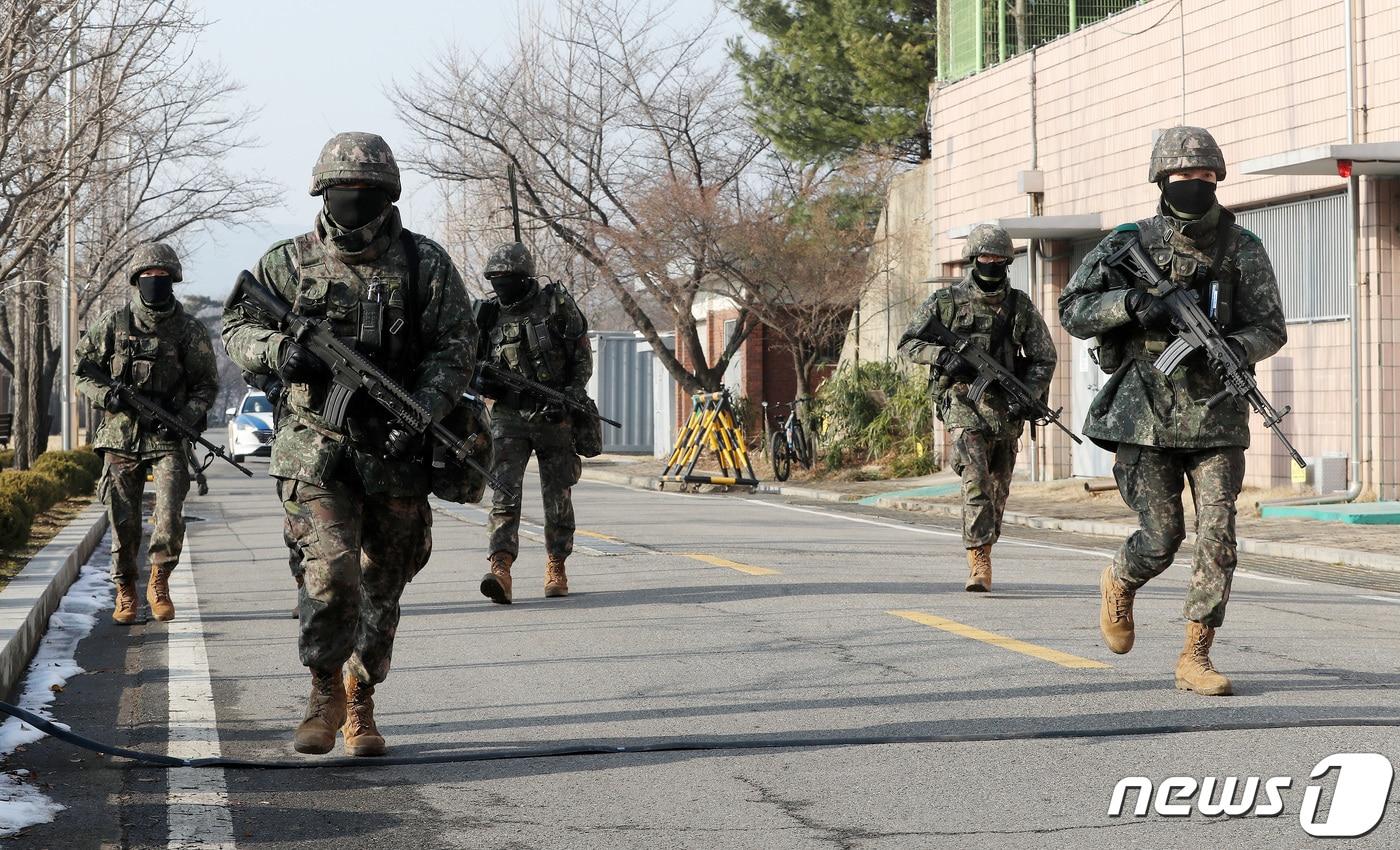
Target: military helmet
510 258
357 158
1182 148
988 239
154 255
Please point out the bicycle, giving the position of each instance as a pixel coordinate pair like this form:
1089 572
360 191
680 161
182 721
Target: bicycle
790 442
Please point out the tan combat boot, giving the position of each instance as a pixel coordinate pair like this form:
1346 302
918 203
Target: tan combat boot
325 714
979 569
1194 672
556 583
1115 612
158 594
125 610
362 737
495 585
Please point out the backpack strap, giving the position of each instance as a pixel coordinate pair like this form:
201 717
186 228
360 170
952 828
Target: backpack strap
1000 331
413 258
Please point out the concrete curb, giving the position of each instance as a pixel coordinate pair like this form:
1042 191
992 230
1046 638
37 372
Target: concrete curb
32 596
1269 548
1097 528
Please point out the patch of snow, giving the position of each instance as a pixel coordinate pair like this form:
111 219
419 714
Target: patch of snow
21 804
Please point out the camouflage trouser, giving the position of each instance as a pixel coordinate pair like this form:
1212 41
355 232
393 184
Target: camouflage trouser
293 528
123 482
358 554
552 442
985 464
1151 481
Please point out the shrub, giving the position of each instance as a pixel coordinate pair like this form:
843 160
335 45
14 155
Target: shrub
878 413
7 458
15 521
73 476
38 491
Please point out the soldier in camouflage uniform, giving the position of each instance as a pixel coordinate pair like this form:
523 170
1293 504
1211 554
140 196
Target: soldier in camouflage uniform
1163 433
356 496
161 351
535 330
1000 319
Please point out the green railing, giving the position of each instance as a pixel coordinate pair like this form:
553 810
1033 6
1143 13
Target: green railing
977 34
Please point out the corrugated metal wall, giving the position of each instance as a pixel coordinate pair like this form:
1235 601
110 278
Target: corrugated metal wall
1309 245
622 386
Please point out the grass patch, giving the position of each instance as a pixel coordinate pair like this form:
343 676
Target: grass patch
46 526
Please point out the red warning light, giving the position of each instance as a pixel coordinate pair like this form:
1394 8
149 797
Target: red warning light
1344 168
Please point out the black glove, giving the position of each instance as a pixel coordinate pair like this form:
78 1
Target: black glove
1150 311
296 365
113 402
399 444
955 366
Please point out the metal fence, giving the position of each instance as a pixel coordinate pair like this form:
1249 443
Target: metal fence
622 386
1309 245
977 34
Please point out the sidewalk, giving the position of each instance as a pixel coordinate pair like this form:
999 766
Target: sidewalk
1065 506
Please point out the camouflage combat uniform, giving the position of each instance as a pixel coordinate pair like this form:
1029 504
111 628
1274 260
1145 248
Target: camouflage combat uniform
1163 433
521 425
984 434
164 354
360 519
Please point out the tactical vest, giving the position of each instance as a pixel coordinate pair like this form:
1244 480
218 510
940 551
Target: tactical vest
371 306
149 362
536 340
1214 282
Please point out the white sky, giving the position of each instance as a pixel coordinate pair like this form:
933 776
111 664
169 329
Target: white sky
315 68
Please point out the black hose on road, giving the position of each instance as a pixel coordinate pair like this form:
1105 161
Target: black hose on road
678 745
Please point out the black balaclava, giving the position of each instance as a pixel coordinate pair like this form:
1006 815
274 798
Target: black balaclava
990 276
510 288
156 290
1189 198
354 208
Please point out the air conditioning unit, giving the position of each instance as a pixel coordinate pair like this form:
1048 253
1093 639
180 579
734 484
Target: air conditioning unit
1331 474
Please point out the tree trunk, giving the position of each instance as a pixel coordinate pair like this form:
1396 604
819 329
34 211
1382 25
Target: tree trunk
33 382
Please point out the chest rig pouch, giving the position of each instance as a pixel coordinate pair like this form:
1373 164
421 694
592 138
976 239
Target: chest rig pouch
144 360
532 344
1213 279
369 307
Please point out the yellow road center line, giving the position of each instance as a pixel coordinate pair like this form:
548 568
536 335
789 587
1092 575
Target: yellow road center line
598 535
717 561
1044 653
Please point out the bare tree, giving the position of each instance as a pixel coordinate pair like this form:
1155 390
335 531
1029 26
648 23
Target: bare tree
139 159
596 110
797 254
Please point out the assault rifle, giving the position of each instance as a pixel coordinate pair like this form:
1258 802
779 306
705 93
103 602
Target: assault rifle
520 383
1195 331
990 371
352 372
152 413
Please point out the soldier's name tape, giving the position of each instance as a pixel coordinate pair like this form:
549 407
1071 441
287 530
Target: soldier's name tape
674 745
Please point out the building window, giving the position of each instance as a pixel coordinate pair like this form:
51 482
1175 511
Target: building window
1309 245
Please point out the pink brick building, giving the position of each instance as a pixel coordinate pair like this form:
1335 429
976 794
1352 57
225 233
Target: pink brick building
1270 79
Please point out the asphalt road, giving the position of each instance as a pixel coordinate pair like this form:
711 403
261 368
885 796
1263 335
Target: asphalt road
761 629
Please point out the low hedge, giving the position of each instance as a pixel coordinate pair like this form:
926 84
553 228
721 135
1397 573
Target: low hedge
54 476
35 489
15 521
75 474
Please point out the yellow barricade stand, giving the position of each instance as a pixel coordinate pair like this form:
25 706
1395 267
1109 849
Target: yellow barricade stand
713 425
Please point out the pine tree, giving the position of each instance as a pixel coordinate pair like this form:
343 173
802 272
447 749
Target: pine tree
838 76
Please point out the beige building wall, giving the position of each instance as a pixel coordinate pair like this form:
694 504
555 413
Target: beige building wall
901 266
1266 77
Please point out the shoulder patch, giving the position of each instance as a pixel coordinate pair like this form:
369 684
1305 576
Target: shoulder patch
1129 227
